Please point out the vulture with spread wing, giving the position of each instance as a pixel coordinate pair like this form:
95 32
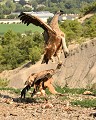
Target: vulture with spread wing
40 81
53 36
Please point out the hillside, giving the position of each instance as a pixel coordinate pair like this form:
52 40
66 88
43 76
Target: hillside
87 12
3 2
70 6
78 69
82 19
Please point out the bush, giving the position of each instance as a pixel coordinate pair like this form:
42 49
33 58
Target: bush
1 16
89 27
72 29
88 9
12 16
34 54
16 49
3 82
75 31
85 103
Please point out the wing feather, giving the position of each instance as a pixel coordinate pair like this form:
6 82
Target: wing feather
28 18
42 77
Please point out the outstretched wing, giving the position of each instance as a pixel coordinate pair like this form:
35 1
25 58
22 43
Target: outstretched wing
28 18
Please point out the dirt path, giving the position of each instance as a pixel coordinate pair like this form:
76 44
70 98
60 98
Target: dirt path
81 20
57 108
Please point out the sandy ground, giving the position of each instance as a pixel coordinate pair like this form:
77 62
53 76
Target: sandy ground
56 108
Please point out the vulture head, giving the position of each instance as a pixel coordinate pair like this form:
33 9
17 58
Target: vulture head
55 37
60 12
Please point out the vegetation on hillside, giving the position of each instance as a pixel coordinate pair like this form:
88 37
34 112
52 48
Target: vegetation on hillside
16 49
3 83
90 8
68 6
77 31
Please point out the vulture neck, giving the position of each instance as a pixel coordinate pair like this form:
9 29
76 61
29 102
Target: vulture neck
54 23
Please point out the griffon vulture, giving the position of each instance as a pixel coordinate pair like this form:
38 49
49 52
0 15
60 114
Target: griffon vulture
53 36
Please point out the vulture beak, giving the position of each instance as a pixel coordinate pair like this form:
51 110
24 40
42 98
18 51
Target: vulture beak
62 12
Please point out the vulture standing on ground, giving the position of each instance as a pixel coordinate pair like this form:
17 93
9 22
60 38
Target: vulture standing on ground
53 36
40 81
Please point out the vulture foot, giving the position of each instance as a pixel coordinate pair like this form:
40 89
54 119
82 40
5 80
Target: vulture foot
59 65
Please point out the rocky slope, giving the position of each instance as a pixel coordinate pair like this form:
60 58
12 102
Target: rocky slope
78 70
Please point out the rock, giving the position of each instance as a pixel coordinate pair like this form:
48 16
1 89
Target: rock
8 101
87 93
48 105
78 70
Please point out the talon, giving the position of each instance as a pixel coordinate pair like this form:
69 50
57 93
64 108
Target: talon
66 54
59 65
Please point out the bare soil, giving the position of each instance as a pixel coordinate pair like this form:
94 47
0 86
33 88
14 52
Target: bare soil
56 108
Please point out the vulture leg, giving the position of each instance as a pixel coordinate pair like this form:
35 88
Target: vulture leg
51 89
65 49
41 88
43 93
23 92
33 93
49 85
58 56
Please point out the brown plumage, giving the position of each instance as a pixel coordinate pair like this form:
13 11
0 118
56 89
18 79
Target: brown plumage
40 81
54 37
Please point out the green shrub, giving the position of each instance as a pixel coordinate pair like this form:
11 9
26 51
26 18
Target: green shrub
3 82
70 90
72 29
76 32
89 27
34 54
16 49
85 103
17 91
89 8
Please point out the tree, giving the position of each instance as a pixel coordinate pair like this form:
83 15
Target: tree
68 5
18 8
6 10
73 30
1 16
1 9
9 4
12 16
26 9
22 2
89 8
90 27
34 54
15 49
34 4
